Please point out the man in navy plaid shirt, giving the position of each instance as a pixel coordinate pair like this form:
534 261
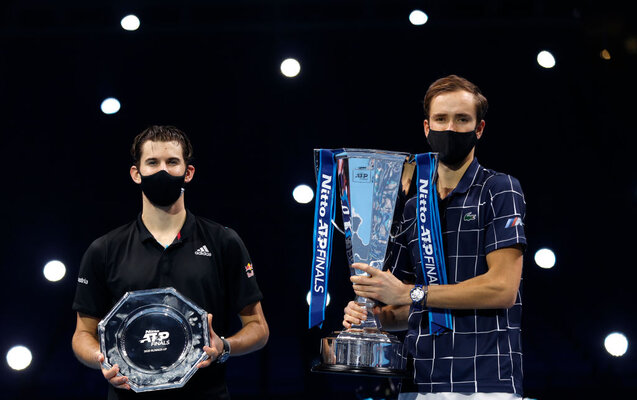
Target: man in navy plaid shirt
481 213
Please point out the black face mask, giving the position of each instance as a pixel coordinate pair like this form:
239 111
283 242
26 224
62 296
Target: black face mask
452 147
163 189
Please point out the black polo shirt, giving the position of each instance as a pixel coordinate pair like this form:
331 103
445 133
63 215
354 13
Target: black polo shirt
207 263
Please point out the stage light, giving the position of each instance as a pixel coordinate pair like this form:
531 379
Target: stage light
110 106
54 270
309 296
616 344
418 17
545 258
19 358
545 59
605 54
290 67
303 194
130 23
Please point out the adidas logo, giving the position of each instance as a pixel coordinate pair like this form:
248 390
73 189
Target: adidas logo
203 251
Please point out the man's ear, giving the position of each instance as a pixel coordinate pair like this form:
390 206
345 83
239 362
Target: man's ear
480 129
425 125
190 172
134 174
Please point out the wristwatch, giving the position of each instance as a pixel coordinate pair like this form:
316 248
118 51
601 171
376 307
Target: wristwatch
225 353
419 295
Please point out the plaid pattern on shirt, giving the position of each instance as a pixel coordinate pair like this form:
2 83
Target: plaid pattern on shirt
483 353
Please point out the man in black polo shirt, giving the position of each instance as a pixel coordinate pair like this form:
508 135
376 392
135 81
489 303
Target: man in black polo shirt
169 246
483 238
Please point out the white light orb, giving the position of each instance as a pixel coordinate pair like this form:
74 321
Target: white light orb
309 297
130 23
54 270
545 258
19 358
303 194
290 67
110 106
418 17
546 59
616 344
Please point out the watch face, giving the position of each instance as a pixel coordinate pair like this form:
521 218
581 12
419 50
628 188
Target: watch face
417 294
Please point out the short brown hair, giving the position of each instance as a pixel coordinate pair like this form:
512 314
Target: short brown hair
161 133
454 83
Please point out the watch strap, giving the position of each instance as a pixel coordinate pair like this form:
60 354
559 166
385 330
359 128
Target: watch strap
225 352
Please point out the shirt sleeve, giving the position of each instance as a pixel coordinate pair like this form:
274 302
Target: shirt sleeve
505 213
241 281
91 294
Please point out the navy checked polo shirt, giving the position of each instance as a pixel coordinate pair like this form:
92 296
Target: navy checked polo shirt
483 353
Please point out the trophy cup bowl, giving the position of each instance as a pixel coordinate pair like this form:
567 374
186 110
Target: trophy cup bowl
156 337
369 181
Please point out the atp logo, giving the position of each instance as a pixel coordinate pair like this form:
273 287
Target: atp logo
156 338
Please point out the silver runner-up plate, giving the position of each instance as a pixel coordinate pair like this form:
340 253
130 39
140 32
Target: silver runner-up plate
156 337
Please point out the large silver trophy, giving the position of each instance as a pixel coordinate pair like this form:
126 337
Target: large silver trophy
156 337
369 181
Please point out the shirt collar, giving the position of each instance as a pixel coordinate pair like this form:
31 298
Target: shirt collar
467 179
185 232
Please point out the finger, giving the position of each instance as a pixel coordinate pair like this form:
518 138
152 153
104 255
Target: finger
210 322
119 381
365 268
346 324
110 373
366 293
356 307
125 386
204 363
212 352
360 314
362 280
352 320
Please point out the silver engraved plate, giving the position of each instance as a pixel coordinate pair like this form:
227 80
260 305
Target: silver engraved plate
156 337
369 181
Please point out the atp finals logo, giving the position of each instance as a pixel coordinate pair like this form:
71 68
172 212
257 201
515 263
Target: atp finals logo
155 338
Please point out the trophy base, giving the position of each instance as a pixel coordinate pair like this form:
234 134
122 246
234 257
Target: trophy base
373 372
363 353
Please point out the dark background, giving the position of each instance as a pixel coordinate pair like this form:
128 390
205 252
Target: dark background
212 69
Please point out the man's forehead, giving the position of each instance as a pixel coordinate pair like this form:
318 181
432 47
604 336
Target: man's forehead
153 148
459 102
